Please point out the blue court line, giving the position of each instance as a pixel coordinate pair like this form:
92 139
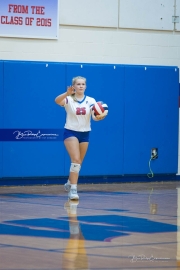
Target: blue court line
159 215
94 247
139 213
149 267
124 268
61 198
31 203
43 269
62 251
28 196
106 192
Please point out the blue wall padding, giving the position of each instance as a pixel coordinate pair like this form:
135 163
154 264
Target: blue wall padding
1 113
143 114
151 119
29 159
29 93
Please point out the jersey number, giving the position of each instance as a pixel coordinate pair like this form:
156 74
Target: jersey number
81 111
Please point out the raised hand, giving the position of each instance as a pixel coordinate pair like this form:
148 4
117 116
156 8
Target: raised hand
70 90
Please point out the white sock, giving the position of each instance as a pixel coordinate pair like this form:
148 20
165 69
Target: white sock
68 182
73 186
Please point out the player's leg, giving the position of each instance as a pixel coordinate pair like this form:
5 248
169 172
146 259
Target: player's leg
83 149
76 144
77 152
73 178
73 149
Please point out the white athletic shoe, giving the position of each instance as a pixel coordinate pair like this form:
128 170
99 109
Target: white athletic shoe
67 187
73 194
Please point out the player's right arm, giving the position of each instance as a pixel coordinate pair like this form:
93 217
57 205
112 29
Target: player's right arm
61 99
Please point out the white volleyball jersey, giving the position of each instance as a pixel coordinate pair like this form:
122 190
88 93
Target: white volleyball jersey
78 115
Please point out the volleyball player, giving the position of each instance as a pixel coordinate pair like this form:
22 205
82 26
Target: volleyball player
78 108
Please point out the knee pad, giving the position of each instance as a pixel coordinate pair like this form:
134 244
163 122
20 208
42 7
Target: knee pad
75 167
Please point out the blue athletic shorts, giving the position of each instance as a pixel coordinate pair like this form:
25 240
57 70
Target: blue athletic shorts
82 136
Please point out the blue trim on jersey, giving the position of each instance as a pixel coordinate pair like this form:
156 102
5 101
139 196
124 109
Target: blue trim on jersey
91 105
82 100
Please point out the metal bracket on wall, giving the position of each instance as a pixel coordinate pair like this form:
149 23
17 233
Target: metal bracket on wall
175 19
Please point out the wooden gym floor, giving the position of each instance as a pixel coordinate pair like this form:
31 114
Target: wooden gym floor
114 226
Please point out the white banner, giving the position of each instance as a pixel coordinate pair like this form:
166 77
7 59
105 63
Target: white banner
29 18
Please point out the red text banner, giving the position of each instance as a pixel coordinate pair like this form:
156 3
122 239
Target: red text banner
29 19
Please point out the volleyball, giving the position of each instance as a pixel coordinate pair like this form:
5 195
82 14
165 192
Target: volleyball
100 108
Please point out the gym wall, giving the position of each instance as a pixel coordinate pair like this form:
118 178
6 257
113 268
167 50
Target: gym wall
143 114
114 32
106 31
